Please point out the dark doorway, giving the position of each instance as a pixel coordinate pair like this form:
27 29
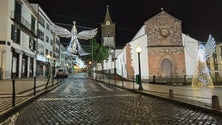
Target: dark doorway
166 68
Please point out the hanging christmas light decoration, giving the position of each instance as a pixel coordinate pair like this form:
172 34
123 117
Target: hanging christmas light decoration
74 45
201 75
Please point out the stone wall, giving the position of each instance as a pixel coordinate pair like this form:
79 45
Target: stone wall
164 39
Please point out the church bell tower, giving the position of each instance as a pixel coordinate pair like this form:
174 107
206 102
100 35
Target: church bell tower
108 31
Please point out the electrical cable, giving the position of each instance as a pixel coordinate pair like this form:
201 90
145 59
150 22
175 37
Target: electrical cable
171 5
98 23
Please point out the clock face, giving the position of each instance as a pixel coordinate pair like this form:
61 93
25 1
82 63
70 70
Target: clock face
164 32
107 22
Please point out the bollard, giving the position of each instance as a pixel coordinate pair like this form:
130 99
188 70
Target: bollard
13 93
103 77
171 93
133 83
122 83
154 79
34 88
46 86
52 81
185 79
115 78
215 103
109 76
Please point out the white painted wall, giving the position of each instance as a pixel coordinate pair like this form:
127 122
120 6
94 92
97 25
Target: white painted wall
46 45
121 64
107 64
6 7
6 13
141 40
62 56
191 50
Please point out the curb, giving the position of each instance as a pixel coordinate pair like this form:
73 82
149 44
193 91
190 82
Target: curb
172 100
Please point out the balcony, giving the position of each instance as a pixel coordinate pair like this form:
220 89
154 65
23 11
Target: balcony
55 55
25 25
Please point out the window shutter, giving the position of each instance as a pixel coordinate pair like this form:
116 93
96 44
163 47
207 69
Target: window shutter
12 32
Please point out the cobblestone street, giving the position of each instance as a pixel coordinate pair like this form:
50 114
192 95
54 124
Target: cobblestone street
82 101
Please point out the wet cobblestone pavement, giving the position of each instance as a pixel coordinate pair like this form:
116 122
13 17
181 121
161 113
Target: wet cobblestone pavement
81 101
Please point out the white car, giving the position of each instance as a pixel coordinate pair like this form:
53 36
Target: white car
62 73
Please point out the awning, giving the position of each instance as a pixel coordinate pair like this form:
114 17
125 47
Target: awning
17 50
29 54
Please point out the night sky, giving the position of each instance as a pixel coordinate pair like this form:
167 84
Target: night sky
199 17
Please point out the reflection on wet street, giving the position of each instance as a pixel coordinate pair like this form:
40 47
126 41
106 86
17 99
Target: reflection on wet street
83 101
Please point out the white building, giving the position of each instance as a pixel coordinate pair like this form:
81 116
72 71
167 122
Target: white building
62 56
121 64
48 43
26 39
191 50
141 39
17 39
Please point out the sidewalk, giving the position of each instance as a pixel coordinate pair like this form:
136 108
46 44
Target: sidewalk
21 85
24 93
199 98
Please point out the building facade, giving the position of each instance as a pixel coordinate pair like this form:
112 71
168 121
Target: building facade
108 36
140 39
108 31
215 64
48 44
18 29
165 50
166 56
28 46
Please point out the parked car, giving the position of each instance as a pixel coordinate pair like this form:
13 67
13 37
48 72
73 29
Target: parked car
62 73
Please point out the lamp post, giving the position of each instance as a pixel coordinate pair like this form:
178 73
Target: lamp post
115 69
89 68
48 72
54 64
53 72
48 75
138 50
67 67
114 60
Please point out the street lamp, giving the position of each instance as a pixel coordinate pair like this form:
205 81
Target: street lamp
114 59
67 67
138 50
89 68
54 65
48 72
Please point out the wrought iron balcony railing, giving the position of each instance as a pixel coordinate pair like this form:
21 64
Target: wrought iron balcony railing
16 17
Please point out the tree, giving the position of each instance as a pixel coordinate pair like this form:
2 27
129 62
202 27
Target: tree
98 52
101 53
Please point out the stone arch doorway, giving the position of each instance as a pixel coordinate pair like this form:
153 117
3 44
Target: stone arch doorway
166 68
